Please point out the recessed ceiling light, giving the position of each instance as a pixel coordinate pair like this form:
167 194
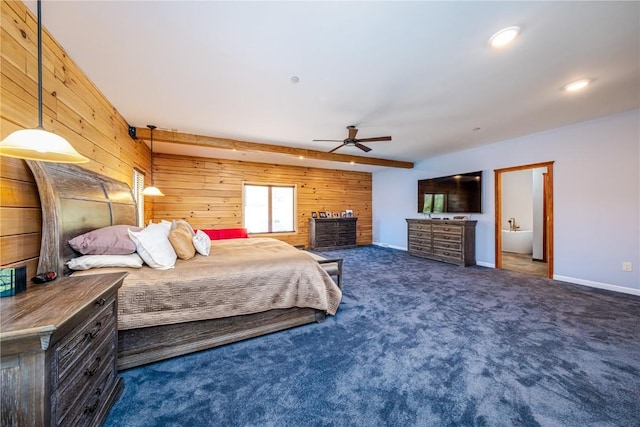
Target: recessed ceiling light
504 36
577 85
295 79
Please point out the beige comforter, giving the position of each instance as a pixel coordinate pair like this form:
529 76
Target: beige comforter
240 276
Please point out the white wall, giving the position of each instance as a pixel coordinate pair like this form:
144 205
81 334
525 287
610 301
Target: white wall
596 197
538 213
517 199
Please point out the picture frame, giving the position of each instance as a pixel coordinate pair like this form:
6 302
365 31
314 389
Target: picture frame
314 214
323 214
328 214
336 214
343 214
349 213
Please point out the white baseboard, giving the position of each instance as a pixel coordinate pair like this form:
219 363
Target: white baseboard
485 264
386 245
575 281
598 285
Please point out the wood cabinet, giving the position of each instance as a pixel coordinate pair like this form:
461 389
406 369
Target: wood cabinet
443 240
332 233
58 349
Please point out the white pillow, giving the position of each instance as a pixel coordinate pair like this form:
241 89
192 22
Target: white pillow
202 243
154 247
96 261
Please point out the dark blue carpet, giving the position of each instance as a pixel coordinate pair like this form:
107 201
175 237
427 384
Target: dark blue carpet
414 343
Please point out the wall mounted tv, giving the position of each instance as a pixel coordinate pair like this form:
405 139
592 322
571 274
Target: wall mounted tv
451 194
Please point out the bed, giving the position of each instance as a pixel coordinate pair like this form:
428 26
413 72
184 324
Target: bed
167 313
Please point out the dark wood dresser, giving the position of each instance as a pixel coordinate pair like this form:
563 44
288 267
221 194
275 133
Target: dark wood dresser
332 233
58 349
452 241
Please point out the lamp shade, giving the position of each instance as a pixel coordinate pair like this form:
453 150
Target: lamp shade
38 144
152 191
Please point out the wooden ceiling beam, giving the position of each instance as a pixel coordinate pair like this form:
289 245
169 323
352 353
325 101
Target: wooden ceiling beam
232 144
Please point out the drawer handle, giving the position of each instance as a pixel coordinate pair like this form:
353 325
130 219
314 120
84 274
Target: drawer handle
90 409
93 332
93 368
101 302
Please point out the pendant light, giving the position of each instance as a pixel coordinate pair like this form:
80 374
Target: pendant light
38 144
151 191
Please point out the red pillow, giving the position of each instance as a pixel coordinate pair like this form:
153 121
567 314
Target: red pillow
226 233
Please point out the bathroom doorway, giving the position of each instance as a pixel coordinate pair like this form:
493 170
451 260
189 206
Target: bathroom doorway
524 239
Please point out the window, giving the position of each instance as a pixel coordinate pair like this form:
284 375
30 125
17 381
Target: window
433 203
138 186
269 208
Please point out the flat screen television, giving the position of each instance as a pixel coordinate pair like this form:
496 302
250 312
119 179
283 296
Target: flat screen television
460 193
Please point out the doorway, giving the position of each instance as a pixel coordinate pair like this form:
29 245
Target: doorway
543 238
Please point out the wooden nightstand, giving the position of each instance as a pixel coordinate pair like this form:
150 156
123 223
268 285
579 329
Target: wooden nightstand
58 349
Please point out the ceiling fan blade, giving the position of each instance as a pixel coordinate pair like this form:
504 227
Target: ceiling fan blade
379 138
362 147
339 146
352 132
327 140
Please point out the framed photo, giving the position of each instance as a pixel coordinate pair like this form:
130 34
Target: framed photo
314 214
349 213
323 215
336 214
343 214
328 214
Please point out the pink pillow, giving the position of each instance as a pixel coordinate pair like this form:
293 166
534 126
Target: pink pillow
111 240
226 233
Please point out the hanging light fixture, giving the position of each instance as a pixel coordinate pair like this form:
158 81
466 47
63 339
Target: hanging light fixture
151 191
38 144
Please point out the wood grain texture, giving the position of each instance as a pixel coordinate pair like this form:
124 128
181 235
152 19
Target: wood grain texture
208 193
233 144
76 200
146 345
73 108
57 348
453 242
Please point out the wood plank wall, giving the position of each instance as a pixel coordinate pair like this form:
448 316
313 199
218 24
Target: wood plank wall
73 107
208 193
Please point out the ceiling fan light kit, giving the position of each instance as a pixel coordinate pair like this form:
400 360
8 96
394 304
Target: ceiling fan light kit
353 141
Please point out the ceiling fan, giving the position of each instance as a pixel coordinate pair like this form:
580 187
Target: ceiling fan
352 140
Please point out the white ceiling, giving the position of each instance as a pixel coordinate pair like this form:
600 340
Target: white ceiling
422 72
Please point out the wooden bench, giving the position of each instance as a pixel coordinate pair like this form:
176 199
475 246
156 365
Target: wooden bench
332 266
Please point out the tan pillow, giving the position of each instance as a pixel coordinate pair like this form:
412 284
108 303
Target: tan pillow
182 242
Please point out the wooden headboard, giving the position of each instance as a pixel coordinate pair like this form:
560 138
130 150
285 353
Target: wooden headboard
74 201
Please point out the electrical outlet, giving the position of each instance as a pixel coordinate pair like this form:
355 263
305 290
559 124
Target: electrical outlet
627 266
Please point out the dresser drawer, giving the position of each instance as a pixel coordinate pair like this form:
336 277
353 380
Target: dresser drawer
91 401
73 390
442 240
447 245
332 233
78 344
419 234
413 248
444 237
448 255
448 229
420 227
